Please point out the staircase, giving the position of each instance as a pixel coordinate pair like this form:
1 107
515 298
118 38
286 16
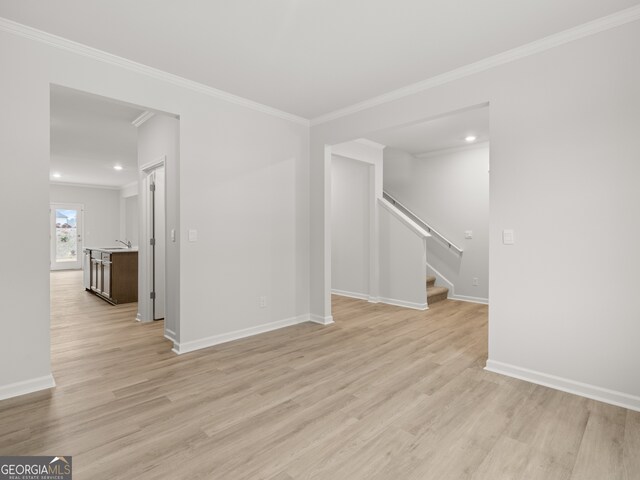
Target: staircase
434 293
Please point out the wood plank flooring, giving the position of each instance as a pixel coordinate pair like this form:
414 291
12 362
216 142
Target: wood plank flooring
384 393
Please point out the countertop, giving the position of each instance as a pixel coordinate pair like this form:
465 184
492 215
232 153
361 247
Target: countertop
112 249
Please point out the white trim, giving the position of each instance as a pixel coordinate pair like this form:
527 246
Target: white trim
170 335
328 320
142 118
594 392
370 143
27 386
452 289
590 28
465 298
85 185
442 278
344 293
152 165
193 345
145 257
446 151
102 56
127 191
402 303
417 229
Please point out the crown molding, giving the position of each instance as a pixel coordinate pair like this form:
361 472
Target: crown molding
608 22
142 118
78 48
85 185
590 28
370 143
444 151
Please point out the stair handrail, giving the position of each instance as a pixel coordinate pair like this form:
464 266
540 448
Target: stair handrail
422 223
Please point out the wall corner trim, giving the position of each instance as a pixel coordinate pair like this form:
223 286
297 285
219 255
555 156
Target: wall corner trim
593 27
594 392
328 320
27 386
31 33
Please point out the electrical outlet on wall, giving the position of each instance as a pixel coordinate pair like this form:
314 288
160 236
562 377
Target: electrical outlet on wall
468 234
476 282
262 301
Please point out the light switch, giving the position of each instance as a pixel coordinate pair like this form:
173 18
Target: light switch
173 235
508 237
468 234
193 235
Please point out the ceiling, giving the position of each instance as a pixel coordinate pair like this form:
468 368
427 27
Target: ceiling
306 57
440 133
89 136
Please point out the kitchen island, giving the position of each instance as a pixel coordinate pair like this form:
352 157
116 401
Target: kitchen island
111 273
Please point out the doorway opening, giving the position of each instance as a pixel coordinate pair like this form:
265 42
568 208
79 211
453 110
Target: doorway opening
427 224
110 254
153 228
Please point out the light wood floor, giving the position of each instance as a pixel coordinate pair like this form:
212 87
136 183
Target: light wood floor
384 393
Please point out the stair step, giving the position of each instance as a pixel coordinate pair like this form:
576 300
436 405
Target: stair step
431 281
436 294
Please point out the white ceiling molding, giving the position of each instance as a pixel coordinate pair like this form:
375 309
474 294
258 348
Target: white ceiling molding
608 22
444 151
142 118
95 54
590 28
85 185
370 143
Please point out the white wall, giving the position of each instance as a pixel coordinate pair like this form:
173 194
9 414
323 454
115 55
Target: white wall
101 211
243 185
450 191
402 258
564 176
350 227
131 217
129 224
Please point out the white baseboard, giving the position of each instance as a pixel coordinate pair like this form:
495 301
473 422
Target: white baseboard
465 298
27 386
344 293
594 392
170 335
186 347
321 320
402 303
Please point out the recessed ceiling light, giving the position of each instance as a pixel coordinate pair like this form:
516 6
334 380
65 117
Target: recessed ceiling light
117 167
56 175
470 138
